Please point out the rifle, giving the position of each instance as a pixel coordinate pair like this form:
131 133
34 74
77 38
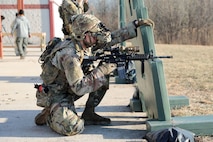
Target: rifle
122 56
117 55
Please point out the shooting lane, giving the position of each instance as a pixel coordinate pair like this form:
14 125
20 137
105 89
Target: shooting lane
151 85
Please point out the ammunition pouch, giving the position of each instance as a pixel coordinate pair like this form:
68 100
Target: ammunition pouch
42 96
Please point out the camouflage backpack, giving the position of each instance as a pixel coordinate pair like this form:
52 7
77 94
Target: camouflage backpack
49 72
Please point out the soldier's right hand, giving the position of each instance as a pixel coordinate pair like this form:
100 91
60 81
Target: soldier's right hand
107 68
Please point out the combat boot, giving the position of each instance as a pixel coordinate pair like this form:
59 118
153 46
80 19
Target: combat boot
41 118
91 118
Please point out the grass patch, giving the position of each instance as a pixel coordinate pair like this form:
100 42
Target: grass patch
189 73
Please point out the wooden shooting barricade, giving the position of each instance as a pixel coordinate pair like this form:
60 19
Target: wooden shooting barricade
152 91
41 36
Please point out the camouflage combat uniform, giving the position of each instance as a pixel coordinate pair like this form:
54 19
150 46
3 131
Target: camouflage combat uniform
66 77
66 82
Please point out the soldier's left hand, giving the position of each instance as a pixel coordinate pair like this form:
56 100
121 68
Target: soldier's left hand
144 22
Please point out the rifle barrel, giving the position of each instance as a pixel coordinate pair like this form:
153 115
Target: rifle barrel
163 56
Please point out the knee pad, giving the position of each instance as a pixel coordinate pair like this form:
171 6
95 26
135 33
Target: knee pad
64 121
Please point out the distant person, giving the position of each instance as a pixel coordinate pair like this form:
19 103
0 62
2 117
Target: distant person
2 17
14 34
22 29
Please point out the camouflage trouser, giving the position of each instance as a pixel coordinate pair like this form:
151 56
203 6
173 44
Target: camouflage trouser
96 97
62 117
64 120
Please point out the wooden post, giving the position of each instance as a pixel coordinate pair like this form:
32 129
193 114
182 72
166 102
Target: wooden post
1 45
122 17
20 4
51 11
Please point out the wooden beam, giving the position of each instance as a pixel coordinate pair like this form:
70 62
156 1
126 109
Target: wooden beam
200 125
1 45
42 43
51 12
20 4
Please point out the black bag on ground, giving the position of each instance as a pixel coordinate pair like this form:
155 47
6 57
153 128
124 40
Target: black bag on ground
172 134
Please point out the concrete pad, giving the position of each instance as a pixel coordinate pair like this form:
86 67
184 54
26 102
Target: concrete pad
200 125
18 107
178 101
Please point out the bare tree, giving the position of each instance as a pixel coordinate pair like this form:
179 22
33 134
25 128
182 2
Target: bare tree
107 12
182 21
177 21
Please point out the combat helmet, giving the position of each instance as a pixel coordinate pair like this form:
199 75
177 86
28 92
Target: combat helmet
69 8
83 23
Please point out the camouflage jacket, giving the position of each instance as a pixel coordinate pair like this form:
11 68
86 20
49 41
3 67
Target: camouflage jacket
120 36
68 61
64 72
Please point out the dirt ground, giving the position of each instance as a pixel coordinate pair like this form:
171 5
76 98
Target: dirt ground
190 73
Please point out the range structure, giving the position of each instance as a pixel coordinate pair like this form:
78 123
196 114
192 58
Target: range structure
151 95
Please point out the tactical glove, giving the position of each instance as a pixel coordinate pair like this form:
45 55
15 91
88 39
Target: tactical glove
107 68
144 22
